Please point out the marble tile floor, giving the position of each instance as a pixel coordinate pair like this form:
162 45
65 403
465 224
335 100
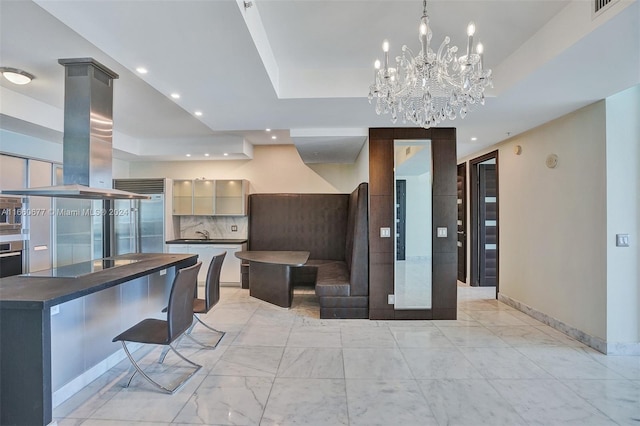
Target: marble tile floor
492 366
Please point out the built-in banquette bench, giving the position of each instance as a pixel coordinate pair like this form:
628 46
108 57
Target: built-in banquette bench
334 229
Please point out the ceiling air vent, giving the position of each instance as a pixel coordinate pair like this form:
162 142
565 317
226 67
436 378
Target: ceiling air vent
599 6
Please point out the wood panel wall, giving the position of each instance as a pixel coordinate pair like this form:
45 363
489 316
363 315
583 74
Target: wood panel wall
381 214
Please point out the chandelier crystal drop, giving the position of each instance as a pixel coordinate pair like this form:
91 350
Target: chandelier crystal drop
428 87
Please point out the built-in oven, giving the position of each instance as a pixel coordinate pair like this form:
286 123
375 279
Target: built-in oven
11 253
10 215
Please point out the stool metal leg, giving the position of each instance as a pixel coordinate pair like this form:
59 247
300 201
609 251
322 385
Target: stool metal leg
153 382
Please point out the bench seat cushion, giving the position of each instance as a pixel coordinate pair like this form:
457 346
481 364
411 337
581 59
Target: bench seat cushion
332 278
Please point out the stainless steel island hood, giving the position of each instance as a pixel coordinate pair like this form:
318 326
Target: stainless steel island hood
88 132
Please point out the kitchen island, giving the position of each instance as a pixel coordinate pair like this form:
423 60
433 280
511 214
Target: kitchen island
56 326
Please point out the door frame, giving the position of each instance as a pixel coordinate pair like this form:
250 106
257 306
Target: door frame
462 260
475 201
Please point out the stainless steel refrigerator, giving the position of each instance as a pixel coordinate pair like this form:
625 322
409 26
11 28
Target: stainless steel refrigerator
142 226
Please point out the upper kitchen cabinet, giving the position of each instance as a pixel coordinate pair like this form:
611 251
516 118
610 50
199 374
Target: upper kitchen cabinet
231 197
203 197
182 197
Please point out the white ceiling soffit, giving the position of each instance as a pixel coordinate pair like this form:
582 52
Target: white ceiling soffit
317 146
307 64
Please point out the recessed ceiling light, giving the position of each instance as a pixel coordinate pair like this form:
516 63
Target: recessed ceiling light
268 130
226 154
142 70
198 113
206 155
474 138
175 95
188 155
16 76
274 137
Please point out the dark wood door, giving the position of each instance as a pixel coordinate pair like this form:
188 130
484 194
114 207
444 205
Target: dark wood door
462 222
401 218
488 224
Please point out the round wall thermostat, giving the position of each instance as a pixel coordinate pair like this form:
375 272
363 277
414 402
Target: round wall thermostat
552 161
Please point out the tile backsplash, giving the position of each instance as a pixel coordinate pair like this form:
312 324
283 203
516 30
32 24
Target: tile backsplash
218 226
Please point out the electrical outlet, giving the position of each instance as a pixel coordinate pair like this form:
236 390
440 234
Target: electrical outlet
234 228
163 272
391 299
385 232
442 232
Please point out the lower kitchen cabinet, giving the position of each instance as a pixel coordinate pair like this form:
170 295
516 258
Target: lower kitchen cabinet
230 268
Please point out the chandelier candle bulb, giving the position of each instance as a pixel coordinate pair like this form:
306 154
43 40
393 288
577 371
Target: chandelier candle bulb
471 30
480 51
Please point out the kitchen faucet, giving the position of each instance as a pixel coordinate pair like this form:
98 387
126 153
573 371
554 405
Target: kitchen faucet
205 234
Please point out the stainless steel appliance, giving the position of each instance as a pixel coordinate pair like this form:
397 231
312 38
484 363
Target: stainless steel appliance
10 215
11 258
142 226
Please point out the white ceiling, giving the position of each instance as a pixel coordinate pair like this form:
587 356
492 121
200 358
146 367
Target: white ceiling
303 67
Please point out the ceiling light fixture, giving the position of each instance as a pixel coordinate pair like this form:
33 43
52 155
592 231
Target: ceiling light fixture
226 154
428 88
188 155
142 70
175 95
274 137
198 113
16 76
267 130
474 138
206 155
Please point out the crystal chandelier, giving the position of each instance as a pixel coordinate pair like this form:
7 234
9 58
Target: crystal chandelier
428 88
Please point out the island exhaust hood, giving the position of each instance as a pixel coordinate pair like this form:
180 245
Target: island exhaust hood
88 131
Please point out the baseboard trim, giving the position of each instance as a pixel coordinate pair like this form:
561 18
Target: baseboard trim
591 341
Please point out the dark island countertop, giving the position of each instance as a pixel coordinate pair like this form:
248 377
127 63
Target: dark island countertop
40 292
220 241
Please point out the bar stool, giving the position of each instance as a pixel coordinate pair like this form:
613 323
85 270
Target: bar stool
160 332
211 297
202 306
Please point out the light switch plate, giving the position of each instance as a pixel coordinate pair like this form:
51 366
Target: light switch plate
442 232
385 232
391 299
622 240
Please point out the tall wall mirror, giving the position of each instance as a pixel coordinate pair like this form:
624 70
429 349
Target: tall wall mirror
413 249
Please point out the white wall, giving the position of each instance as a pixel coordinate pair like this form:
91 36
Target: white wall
623 217
273 169
553 245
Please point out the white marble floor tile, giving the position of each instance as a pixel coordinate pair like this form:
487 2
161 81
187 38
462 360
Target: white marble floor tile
473 337
227 400
142 402
522 336
98 422
414 337
495 318
389 402
405 324
559 336
249 361
618 399
568 363
226 314
90 398
271 316
315 337
314 402
549 402
358 337
318 363
375 363
627 366
439 363
503 363
262 336
463 319
468 403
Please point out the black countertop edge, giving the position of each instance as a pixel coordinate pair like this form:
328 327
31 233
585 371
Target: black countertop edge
220 241
24 292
